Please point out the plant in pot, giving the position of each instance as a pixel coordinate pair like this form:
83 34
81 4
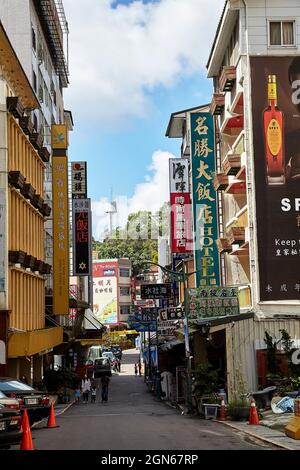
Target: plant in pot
238 407
205 384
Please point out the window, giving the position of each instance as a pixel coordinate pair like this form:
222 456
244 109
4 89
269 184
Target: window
34 82
282 33
125 309
124 291
33 36
124 272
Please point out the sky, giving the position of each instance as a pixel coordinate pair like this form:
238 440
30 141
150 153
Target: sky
132 64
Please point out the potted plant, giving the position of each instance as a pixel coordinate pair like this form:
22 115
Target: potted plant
205 384
238 407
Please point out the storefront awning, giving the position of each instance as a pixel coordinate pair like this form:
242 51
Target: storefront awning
33 342
90 342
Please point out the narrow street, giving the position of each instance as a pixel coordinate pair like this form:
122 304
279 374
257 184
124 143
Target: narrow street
132 420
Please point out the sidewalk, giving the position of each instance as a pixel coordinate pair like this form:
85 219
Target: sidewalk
264 433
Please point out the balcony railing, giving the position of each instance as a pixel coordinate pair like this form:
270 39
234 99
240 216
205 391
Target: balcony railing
217 105
231 164
223 245
236 235
220 181
227 79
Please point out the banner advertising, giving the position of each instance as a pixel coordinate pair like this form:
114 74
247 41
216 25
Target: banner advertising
79 180
60 235
179 175
276 138
208 302
181 241
171 313
105 293
181 223
82 237
204 199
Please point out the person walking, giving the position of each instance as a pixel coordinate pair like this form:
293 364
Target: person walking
94 393
140 368
135 369
86 388
77 395
104 391
119 365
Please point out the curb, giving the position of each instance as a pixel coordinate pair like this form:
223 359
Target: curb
58 414
257 436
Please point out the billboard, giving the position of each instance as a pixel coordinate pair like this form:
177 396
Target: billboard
105 292
82 237
60 235
204 199
276 138
207 302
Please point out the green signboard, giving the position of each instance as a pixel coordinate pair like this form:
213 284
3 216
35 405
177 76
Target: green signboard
210 302
204 200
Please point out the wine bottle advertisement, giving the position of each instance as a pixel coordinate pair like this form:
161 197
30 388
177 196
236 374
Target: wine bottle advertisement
276 142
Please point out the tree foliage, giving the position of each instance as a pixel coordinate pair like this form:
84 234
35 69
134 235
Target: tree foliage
137 241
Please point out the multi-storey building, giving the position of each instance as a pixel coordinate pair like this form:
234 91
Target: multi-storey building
37 31
255 67
23 213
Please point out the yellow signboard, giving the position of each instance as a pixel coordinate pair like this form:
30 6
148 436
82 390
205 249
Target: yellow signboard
60 236
59 136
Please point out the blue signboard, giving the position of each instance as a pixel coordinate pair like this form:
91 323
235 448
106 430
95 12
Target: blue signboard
135 322
204 200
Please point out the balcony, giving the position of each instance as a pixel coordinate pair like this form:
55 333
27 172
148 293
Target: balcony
16 257
16 179
14 106
27 125
227 79
231 164
220 181
46 210
223 245
28 191
44 154
217 105
38 202
37 140
29 261
46 269
236 235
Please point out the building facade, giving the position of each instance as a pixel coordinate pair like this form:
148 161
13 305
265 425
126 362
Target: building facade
37 32
24 210
255 68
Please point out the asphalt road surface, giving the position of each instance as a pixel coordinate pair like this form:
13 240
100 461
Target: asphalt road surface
134 420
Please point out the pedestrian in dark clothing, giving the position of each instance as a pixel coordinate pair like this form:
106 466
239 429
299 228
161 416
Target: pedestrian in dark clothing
135 369
140 368
104 385
119 365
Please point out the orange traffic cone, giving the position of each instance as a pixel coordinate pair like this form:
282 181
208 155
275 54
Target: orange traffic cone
51 420
253 418
26 442
222 416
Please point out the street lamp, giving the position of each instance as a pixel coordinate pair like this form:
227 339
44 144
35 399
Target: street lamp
182 277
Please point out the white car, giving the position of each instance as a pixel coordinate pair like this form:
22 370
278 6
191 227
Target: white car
109 355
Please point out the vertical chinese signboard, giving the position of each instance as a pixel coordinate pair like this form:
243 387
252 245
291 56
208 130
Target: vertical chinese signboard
79 180
181 241
60 236
82 237
105 293
204 199
276 143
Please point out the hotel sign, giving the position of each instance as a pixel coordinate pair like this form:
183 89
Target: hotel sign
204 199
60 236
82 263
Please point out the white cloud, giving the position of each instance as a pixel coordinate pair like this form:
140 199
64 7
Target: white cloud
149 195
119 55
